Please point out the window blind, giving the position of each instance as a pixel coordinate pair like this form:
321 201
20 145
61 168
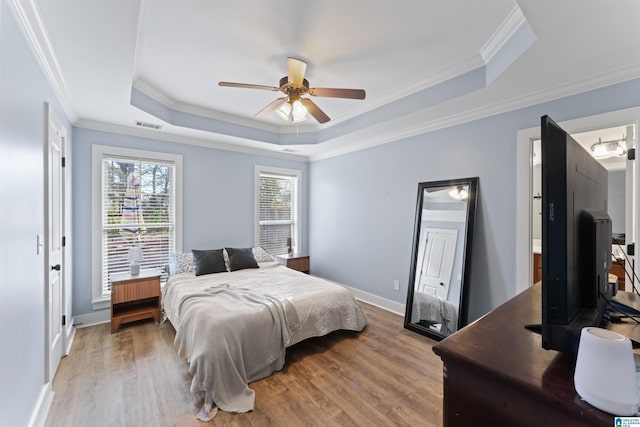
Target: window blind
138 208
277 211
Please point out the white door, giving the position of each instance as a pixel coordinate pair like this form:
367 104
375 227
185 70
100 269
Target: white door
437 261
54 247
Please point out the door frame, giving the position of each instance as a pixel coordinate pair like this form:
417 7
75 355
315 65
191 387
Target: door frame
524 185
52 120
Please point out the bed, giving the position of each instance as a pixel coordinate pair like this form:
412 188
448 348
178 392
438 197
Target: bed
432 311
233 327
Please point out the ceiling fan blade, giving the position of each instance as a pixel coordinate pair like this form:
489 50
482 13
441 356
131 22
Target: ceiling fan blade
269 108
337 93
295 71
314 110
248 86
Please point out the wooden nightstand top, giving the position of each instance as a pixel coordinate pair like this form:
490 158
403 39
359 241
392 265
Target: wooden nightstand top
126 276
292 256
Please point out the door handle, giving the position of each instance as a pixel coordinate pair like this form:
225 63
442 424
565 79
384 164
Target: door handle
441 284
56 267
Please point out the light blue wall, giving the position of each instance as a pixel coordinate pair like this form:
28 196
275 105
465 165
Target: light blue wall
23 93
617 199
218 198
362 203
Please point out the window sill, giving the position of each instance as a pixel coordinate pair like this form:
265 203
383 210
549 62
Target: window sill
104 302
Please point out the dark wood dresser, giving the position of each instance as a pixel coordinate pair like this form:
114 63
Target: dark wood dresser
496 373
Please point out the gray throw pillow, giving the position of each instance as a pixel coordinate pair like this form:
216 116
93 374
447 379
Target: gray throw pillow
240 259
209 261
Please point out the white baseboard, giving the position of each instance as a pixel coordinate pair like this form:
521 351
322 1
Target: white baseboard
384 303
91 319
40 412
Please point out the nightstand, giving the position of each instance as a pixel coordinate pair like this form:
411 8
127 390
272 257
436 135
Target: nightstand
295 262
135 297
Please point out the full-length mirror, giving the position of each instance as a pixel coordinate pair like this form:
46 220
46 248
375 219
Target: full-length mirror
440 259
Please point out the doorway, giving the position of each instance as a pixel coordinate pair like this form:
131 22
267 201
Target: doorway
525 193
610 146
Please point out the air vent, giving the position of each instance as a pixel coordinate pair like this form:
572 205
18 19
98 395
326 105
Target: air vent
147 125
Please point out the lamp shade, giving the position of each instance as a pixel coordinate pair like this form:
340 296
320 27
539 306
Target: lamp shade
605 375
135 254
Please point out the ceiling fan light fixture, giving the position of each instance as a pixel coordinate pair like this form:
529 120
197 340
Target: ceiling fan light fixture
284 111
293 111
459 193
298 111
292 107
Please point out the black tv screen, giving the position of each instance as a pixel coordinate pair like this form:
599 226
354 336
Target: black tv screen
576 239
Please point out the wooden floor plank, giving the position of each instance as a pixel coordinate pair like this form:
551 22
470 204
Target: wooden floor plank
383 376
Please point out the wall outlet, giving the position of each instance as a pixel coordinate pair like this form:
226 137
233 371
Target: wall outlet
396 285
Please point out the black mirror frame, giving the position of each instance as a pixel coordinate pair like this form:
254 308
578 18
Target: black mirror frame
463 305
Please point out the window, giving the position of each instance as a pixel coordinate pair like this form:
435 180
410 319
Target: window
277 209
135 204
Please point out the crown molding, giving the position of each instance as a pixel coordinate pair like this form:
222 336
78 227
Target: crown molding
31 25
449 73
463 67
233 144
564 90
503 33
172 104
399 131
30 22
167 101
484 111
140 37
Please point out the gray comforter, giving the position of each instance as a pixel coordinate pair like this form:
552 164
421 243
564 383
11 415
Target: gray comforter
233 328
243 332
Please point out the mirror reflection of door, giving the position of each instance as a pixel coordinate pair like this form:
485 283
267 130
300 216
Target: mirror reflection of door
609 146
436 262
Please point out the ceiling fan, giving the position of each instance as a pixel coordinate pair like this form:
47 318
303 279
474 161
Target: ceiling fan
293 107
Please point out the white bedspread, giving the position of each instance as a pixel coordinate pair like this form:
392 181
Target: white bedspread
436 310
233 328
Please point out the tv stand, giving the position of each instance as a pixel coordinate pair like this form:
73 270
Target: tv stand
497 372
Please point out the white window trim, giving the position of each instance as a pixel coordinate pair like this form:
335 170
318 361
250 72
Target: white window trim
297 242
98 152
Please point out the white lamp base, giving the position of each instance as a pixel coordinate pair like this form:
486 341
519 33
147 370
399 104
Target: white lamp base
134 269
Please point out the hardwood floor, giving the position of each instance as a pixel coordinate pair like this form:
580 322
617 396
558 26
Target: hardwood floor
383 376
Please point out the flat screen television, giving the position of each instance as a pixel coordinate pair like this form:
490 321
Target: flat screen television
576 240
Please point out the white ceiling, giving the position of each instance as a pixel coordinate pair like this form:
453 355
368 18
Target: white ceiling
97 52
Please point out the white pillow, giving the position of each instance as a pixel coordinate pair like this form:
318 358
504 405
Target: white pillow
181 263
261 255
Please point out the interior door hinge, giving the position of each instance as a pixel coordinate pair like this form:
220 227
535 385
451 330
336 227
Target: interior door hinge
64 241
64 320
631 154
631 249
64 161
